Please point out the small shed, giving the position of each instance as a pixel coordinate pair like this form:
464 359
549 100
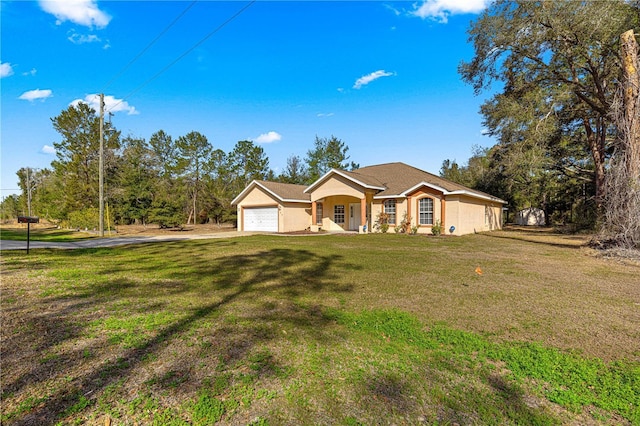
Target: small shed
532 216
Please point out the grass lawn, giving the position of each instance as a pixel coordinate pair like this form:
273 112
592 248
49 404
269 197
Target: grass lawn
499 328
42 234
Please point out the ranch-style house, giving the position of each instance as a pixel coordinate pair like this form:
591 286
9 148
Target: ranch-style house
352 200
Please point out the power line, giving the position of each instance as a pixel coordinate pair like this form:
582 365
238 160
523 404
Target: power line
192 48
126 67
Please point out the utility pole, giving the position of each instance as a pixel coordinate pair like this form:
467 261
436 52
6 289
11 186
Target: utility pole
28 192
101 165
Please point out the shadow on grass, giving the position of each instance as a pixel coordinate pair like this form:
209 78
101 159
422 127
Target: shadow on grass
533 237
269 288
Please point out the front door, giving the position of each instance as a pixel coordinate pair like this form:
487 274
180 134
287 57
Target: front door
354 216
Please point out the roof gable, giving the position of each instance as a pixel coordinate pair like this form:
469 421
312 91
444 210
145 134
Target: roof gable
364 181
285 192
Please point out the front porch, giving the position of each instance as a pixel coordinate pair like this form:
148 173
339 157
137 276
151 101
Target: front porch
341 213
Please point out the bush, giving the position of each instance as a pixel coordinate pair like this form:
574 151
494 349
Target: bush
83 219
436 229
382 222
166 215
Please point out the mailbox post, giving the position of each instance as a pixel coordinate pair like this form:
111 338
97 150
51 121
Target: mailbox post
28 220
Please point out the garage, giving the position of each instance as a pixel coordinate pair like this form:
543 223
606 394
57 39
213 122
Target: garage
261 219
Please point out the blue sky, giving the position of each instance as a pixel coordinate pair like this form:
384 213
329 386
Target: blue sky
381 76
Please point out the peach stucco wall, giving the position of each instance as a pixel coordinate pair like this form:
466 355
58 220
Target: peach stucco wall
471 215
294 217
467 214
336 185
291 216
328 205
338 190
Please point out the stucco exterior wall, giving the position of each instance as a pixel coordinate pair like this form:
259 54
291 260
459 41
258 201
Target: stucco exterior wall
414 206
471 215
258 197
336 185
328 205
411 208
467 214
294 217
377 207
291 216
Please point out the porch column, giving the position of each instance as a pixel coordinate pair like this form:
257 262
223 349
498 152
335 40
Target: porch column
363 211
409 209
314 213
314 217
442 210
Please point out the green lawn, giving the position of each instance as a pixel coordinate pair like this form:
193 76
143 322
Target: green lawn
501 328
40 234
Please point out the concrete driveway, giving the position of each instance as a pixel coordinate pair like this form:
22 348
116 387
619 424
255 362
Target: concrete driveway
115 241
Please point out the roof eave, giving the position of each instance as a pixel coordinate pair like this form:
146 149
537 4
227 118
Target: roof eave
475 195
256 183
243 193
290 200
427 184
444 192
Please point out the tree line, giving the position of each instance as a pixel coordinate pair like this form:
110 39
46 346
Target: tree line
567 114
163 180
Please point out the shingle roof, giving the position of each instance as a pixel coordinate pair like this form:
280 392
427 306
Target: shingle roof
286 191
395 178
399 177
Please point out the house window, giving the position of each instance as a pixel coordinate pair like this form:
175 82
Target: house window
426 211
319 213
338 213
390 209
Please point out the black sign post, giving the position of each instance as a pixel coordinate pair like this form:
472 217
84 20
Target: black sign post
28 220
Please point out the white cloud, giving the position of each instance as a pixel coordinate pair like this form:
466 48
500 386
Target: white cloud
48 150
111 104
366 79
325 114
33 95
76 38
440 10
5 69
81 12
32 72
393 9
269 137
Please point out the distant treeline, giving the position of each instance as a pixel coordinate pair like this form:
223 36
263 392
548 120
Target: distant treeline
163 180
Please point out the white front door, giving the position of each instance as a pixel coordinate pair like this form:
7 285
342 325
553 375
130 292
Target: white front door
354 216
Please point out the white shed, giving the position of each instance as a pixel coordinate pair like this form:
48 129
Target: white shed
531 217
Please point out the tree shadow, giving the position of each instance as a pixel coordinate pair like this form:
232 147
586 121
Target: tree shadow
531 237
201 291
392 392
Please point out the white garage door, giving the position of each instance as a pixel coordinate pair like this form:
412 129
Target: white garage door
261 219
